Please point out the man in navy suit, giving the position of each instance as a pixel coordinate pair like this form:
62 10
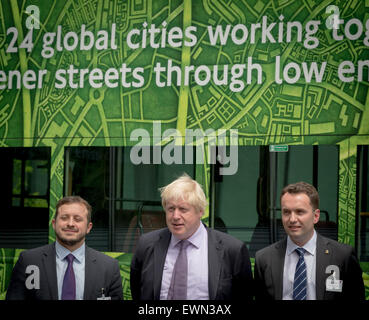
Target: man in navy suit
95 275
218 265
276 265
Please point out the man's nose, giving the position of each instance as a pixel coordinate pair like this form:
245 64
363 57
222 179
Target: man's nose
176 214
70 222
293 217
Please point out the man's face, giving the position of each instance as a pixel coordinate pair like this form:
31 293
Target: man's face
298 217
182 218
71 225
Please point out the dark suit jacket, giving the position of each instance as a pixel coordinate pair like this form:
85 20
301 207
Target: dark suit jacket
269 264
101 271
230 275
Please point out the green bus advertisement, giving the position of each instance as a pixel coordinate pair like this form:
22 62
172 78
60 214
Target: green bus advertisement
113 99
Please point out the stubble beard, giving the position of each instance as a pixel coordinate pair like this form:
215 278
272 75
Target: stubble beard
69 242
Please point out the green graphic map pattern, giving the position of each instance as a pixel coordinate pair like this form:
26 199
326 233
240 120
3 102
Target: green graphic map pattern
331 112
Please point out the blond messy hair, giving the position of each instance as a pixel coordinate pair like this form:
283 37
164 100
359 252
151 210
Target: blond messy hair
184 188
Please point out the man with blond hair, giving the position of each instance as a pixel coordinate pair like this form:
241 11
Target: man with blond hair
187 260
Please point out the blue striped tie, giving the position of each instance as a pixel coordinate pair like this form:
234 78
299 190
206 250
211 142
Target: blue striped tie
299 284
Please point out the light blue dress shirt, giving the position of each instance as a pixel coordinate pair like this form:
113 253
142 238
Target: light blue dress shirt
78 267
198 268
290 262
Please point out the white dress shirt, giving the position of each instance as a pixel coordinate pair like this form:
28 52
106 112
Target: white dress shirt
290 261
197 259
78 268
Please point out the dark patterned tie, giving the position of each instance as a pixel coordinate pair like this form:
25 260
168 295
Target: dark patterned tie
299 284
69 282
178 284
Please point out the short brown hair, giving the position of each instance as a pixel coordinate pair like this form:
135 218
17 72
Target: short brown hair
303 187
74 199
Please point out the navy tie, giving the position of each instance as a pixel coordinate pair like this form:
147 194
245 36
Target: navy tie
299 284
178 284
69 282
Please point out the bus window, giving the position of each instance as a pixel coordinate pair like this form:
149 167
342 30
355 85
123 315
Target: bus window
319 166
24 197
247 206
124 196
363 202
236 209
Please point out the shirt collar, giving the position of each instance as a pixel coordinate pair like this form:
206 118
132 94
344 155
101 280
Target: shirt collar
62 252
309 246
195 239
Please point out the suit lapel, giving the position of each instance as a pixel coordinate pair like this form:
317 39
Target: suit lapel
277 269
323 258
160 252
215 256
49 262
90 273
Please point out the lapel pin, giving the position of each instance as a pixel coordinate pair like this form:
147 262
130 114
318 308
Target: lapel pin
326 251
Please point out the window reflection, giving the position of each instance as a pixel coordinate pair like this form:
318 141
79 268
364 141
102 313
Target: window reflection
24 197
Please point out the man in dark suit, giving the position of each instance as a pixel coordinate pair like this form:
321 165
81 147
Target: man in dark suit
297 267
66 269
188 260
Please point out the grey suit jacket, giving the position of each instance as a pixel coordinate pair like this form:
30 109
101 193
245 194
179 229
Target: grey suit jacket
101 271
230 275
269 264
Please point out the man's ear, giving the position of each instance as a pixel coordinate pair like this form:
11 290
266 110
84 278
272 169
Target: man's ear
89 227
316 215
